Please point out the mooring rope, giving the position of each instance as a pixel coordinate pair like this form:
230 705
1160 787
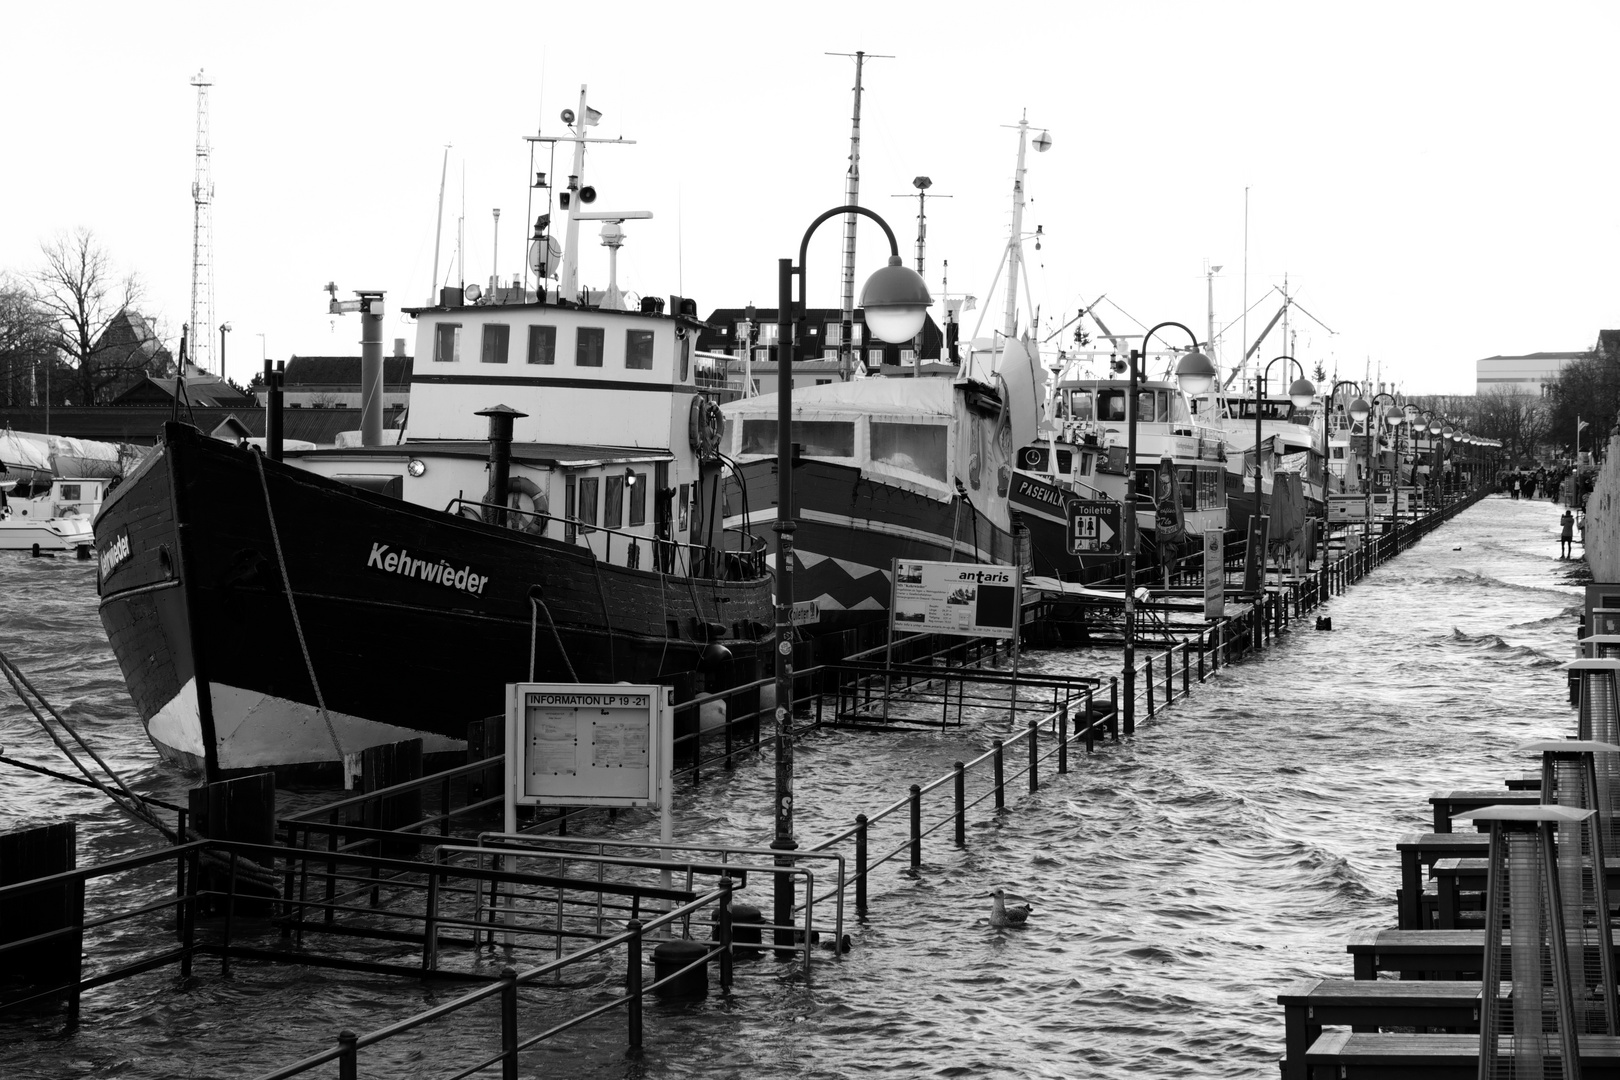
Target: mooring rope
537 605
298 627
126 799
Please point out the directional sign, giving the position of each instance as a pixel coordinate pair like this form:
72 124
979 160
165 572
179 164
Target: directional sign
1094 527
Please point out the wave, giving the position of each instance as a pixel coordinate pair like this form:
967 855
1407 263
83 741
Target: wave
1502 650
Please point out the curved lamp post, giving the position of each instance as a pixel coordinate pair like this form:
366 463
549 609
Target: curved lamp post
1196 374
896 304
1395 418
1378 400
1332 393
1301 392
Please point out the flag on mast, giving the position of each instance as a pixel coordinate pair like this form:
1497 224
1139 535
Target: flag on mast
1581 425
592 117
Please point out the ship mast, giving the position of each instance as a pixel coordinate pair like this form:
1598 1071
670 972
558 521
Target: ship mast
852 197
1012 259
202 239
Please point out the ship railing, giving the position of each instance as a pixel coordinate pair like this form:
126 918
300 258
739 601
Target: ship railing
745 562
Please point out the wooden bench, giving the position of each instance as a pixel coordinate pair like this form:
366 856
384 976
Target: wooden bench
1308 1004
1419 851
1447 803
1346 1055
1460 888
1424 954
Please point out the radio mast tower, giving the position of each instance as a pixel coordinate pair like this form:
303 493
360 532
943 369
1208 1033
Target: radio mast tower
201 338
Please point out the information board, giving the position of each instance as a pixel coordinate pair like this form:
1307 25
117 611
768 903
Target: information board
1214 573
1094 527
1254 556
971 599
587 744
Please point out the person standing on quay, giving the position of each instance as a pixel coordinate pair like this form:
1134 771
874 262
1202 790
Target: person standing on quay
1515 488
1566 535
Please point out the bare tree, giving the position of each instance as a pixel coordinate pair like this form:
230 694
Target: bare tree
93 322
24 343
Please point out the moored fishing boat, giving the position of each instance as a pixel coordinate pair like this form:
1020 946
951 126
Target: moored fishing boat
907 466
548 514
1293 439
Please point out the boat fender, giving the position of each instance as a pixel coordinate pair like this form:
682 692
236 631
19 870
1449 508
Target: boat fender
706 425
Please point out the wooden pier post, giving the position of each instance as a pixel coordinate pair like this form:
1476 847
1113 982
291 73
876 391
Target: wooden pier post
241 811
384 766
26 855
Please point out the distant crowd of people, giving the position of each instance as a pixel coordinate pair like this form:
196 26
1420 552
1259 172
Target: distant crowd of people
1548 482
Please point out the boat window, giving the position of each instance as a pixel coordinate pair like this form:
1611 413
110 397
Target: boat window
638 500
1150 407
1065 460
638 349
588 486
569 505
613 502
686 356
1146 483
758 437
819 438
918 448
1079 404
1187 482
542 344
496 338
825 438
393 486
1086 463
588 346
1111 405
447 343
70 492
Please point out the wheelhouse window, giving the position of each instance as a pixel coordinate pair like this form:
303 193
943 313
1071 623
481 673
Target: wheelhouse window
497 336
638 500
918 448
686 356
542 344
447 343
588 346
613 503
588 487
638 350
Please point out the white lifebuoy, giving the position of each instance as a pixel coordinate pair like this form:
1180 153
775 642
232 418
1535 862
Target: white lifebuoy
705 427
533 523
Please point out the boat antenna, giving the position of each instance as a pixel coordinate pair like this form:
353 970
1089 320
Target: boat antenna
438 228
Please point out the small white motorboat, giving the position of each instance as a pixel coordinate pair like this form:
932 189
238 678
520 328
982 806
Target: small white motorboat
57 519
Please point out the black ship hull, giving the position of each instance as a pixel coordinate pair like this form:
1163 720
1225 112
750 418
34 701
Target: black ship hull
266 617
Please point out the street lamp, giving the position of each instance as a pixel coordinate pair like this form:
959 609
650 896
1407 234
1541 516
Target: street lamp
1378 399
224 328
896 303
1196 374
1359 412
1301 392
1395 418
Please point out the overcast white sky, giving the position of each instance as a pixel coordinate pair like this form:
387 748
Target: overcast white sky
1435 181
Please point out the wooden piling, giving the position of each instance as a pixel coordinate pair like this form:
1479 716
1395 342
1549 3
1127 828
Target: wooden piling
240 811
384 766
27 855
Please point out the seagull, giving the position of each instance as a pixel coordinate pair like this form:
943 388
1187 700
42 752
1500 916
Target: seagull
1002 915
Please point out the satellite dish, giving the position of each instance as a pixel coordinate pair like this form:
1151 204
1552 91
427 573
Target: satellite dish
568 116
587 194
473 292
1043 142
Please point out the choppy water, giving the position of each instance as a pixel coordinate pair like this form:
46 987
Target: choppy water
1180 878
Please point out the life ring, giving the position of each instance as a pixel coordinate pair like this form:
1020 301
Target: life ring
706 425
532 523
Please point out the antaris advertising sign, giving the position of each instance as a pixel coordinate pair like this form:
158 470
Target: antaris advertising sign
970 599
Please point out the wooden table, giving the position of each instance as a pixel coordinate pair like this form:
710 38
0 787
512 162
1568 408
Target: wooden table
1447 803
1308 1004
1346 1055
1421 850
1425 954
